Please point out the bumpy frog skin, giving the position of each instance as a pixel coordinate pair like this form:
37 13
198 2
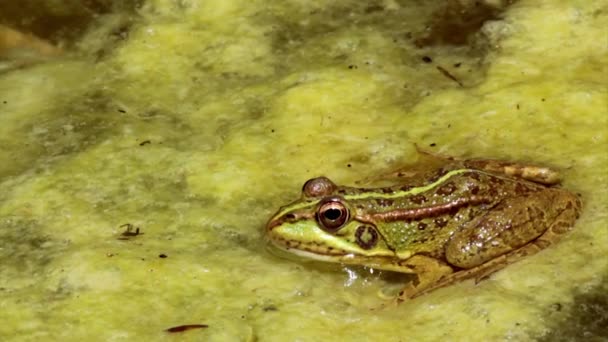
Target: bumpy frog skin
466 219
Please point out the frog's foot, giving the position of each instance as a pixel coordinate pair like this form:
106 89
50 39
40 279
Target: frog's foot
533 173
428 270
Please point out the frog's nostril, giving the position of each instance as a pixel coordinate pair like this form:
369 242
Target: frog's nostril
271 224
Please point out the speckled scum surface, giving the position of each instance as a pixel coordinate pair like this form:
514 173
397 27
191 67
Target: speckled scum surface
209 115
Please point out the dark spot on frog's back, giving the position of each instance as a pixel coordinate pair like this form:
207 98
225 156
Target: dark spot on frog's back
418 199
492 191
441 222
422 225
446 189
496 180
474 190
438 174
424 240
475 176
406 188
453 211
385 202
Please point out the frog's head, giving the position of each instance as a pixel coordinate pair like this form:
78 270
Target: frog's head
324 225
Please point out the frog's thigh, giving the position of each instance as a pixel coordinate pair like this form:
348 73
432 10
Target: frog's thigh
538 174
508 226
565 215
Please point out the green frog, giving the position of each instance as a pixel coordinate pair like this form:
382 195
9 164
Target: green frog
464 219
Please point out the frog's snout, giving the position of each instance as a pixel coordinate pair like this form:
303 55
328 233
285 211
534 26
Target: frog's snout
279 219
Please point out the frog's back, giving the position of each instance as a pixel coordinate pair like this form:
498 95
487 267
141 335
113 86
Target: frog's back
420 216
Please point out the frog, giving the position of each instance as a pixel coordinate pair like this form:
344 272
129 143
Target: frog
444 223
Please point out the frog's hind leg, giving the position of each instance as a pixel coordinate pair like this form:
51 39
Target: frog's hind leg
534 173
472 267
483 271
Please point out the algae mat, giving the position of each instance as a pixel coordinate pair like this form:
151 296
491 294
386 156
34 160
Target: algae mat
193 121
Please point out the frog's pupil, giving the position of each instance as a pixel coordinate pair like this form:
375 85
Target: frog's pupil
333 214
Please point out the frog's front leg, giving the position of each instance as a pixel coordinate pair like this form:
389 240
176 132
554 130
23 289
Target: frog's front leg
537 174
428 272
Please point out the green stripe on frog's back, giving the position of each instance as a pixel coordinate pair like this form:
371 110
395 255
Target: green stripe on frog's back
370 194
378 193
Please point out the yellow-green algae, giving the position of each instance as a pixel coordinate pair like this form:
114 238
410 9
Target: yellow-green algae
211 114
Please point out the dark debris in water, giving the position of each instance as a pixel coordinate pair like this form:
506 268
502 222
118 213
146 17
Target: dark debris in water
270 308
129 232
186 327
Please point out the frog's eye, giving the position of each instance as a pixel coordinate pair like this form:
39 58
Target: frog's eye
332 214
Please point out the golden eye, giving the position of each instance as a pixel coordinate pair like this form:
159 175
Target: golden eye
332 214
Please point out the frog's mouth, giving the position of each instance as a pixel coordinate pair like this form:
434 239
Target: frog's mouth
382 261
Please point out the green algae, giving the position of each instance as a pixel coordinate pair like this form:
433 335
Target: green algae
210 115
